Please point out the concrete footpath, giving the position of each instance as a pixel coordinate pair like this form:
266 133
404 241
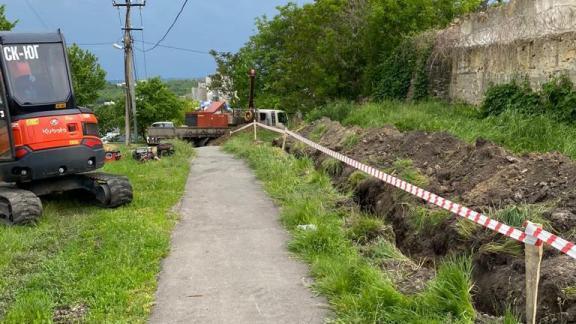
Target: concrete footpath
229 262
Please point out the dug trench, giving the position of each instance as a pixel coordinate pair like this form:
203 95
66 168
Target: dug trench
482 176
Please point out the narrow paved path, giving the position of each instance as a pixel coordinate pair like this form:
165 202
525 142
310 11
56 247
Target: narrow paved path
229 262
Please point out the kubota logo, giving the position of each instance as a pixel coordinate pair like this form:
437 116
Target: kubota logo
54 122
52 131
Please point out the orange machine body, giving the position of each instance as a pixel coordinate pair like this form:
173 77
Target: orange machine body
54 131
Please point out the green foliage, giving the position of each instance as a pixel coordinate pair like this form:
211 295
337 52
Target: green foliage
511 96
88 77
155 102
336 110
423 219
406 170
332 166
350 140
106 261
181 87
515 131
356 289
517 215
505 246
356 178
330 49
5 24
405 69
363 229
556 99
385 250
318 132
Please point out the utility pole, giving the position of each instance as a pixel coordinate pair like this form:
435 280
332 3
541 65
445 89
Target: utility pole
128 73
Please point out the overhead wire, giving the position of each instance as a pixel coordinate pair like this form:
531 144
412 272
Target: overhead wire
36 14
157 44
143 42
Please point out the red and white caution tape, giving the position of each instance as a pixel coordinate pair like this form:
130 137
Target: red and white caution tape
241 128
532 235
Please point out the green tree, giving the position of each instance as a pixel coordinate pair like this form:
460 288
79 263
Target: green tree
5 24
155 102
88 76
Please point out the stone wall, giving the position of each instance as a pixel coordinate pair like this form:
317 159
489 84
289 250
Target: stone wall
525 38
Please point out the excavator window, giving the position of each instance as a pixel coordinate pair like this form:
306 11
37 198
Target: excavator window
37 73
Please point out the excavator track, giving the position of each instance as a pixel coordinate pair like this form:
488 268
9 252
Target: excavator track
111 191
19 207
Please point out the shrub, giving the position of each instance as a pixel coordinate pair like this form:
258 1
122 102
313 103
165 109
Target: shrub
511 96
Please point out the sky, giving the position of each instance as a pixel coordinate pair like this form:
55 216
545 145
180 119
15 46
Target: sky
223 25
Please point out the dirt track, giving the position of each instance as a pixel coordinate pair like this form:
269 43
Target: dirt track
229 262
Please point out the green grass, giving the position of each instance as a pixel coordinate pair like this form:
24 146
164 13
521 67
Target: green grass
423 219
406 170
363 229
516 132
332 166
101 260
357 290
350 140
517 215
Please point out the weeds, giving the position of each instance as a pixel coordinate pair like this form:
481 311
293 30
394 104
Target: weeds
350 140
422 218
505 246
357 290
332 166
385 250
356 178
318 132
513 130
517 215
406 170
106 260
363 229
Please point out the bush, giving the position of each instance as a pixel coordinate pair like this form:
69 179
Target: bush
337 110
556 99
511 96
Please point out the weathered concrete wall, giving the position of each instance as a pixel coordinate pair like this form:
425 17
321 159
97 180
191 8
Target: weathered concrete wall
525 38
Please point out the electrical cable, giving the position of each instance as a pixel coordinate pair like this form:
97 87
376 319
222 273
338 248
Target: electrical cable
36 14
169 28
143 42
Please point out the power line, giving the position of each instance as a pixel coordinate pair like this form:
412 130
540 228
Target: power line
143 41
190 50
37 15
169 28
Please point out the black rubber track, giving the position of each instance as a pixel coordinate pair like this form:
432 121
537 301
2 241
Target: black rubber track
118 188
24 206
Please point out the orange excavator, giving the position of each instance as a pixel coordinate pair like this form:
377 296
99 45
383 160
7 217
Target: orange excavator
47 144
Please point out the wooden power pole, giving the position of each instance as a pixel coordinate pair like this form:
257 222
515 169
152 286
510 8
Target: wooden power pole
128 73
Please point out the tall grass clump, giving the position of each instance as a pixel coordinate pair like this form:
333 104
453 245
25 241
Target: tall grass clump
356 289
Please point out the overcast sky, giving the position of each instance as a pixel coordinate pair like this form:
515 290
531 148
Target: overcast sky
224 25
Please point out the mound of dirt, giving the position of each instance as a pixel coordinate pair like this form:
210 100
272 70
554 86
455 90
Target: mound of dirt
482 176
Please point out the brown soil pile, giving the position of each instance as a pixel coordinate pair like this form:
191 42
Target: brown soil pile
482 176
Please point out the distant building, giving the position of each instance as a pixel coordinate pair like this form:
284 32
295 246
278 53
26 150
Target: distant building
202 92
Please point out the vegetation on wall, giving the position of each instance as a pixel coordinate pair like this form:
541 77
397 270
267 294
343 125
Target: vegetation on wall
556 99
331 49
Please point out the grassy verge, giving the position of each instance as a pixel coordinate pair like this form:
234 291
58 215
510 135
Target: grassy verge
86 264
358 291
517 132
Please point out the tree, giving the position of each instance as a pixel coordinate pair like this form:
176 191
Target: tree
5 24
155 102
88 77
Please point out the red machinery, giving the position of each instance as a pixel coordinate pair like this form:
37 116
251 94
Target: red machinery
47 143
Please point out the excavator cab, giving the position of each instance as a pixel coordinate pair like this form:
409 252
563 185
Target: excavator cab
47 143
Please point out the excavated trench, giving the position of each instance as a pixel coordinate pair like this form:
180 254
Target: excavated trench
482 176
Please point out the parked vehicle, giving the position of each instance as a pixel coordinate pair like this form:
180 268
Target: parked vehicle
205 125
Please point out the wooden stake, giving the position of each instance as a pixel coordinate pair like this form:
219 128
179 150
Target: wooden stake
284 138
533 260
255 133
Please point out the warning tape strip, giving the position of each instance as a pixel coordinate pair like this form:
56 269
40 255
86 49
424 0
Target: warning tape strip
531 236
241 128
